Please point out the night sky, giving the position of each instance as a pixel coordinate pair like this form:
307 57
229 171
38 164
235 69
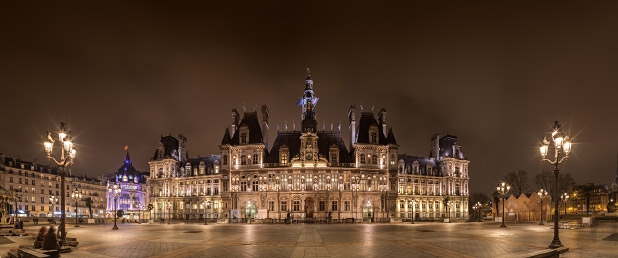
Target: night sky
495 75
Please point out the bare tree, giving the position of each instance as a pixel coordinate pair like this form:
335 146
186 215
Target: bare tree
518 180
545 180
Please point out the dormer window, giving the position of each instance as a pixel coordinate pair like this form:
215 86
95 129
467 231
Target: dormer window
284 155
373 135
224 159
244 135
334 154
362 159
255 159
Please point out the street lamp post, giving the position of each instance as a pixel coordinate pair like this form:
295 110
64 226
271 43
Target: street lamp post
76 195
114 191
503 189
542 194
477 208
169 212
67 155
562 148
53 199
565 197
412 204
206 204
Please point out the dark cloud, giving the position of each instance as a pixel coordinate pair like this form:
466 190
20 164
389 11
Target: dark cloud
495 75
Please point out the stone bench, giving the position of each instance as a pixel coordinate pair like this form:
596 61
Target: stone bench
26 251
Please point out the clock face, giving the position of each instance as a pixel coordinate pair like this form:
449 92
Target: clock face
309 156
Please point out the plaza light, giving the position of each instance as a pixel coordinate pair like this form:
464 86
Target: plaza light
477 207
53 199
542 194
76 195
412 204
503 189
206 204
67 155
114 190
562 147
565 197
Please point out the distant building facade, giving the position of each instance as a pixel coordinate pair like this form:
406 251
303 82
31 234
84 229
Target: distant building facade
597 196
134 198
36 183
309 173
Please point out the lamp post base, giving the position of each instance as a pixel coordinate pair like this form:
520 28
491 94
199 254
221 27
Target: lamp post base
77 226
115 227
503 226
555 244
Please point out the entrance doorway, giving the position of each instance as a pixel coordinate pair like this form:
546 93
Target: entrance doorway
309 207
368 211
250 210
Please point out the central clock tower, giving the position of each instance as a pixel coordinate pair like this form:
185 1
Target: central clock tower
309 146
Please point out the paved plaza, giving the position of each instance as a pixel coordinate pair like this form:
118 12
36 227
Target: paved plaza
334 240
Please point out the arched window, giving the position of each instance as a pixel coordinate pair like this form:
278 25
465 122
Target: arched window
243 160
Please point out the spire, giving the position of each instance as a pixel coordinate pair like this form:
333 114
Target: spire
308 102
128 159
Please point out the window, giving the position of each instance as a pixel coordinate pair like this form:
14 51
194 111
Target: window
393 159
255 185
346 205
20 180
243 186
333 157
11 179
334 206
243 138
374 137
42 201
296 205
32 181
362 159
243 160
284 206
284 158
322 206
224 159
255 159
271 205
374 159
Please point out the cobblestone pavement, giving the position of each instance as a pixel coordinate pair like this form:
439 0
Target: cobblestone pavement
335 240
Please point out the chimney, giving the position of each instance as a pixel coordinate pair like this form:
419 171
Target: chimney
265 115
382 120
182 152
235 119
435 147
352 117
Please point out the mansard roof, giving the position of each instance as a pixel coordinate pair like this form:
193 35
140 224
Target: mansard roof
209 160
250 120
448 149
362 132
170 144
127 166
226 137
391 136
423 162
326 139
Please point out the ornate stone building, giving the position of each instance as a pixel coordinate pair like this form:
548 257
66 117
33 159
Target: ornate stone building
133 198
309 173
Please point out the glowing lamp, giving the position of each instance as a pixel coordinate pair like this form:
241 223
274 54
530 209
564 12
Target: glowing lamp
68 144
567 145
62 135
48 146
73 152
559 141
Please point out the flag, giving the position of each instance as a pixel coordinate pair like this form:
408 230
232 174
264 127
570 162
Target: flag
314 101
126 147
300 102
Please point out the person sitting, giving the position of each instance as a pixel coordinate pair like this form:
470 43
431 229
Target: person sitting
38 243
50 242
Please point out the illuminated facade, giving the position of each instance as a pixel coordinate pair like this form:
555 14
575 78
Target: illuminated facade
133 198
310 173
36 183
